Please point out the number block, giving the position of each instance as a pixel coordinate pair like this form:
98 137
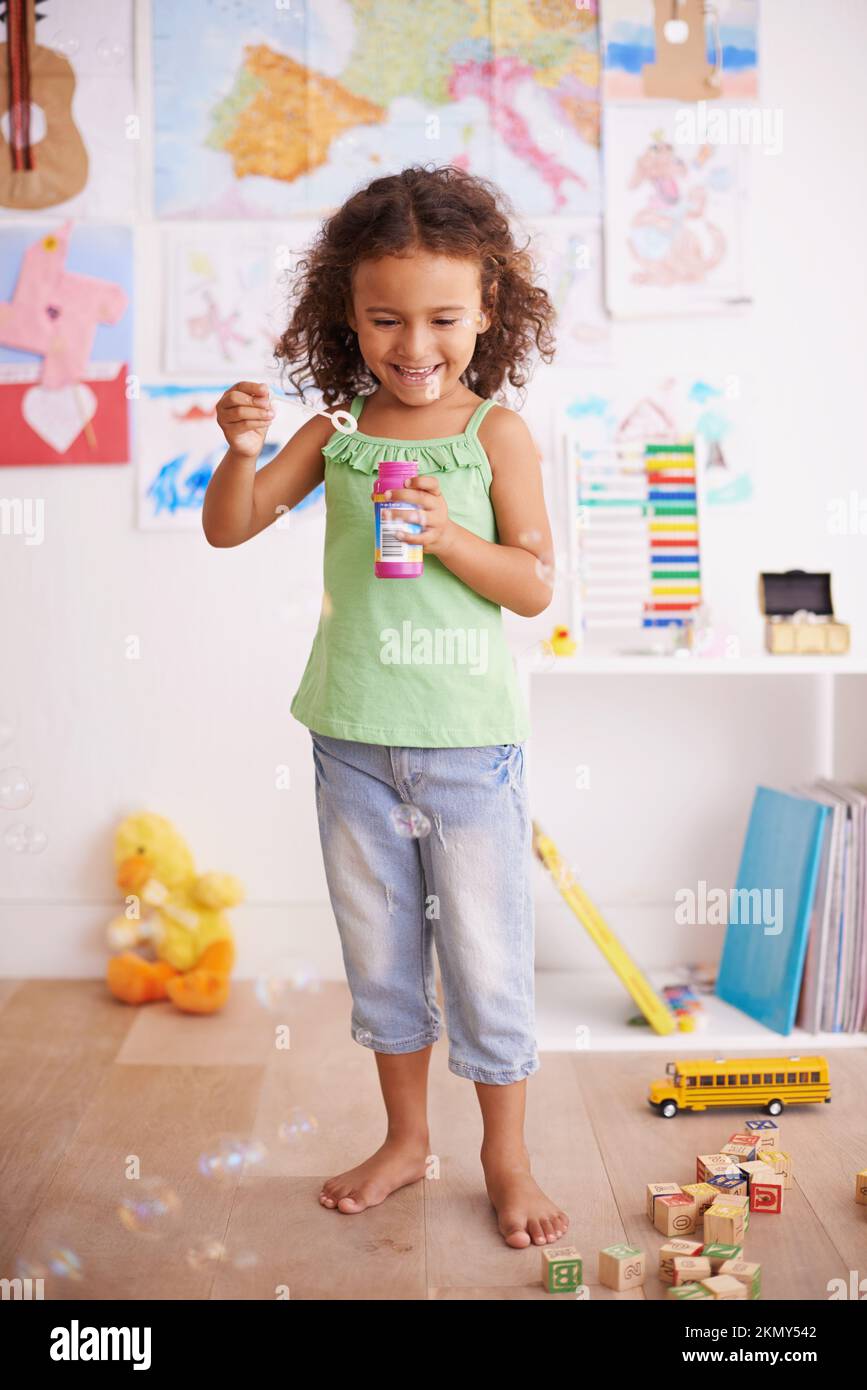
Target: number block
562 1270
675 1215
622 1267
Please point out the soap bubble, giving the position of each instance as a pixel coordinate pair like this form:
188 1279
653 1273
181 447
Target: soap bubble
274 990
210 1251
64 1263
409 822
25 839
15 789
228 1155
529 538
110 51
247 1259
149 1208
297 1125
546 572
364 1036
60 1260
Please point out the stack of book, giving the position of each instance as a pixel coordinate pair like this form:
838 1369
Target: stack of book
796 942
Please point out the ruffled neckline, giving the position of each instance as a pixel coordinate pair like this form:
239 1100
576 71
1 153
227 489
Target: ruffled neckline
364 452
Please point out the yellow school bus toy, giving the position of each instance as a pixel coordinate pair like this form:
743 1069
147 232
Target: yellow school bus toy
698 1084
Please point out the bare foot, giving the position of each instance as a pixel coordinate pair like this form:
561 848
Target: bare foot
396 1163
525 1215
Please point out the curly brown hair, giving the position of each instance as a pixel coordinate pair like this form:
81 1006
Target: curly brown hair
442 210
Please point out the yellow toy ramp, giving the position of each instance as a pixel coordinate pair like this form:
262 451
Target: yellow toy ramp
655 1010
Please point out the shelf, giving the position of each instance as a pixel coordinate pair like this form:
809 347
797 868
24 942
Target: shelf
598 1002
757 665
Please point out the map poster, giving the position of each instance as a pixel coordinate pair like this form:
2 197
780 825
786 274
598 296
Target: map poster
271 110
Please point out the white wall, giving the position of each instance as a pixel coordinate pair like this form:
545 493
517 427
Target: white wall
196 728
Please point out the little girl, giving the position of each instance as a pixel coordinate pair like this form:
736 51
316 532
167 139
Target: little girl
415 306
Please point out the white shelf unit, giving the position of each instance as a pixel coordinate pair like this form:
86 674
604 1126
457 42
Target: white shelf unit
670 763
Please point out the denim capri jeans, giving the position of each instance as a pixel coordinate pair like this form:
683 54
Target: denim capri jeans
463 888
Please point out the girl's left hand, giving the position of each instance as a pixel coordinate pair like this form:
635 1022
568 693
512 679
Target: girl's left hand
432 513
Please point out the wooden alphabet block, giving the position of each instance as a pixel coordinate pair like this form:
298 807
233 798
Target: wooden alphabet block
744 1137
689 1269
767 1133
861 1187
747 1151
779 1162
718 1252
675 1215
729 1184
703 1194
725 1224
748 1273
562 1269
687 1291
668 1253
708 1166
659 1189
622 1267
725 1286
767 1194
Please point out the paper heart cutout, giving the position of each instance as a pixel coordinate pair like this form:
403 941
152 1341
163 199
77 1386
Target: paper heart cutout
58 416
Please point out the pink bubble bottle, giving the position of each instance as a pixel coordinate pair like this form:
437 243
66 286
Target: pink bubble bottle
395 558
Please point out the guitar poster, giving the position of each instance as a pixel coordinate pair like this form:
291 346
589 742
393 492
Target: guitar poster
65 343
72 148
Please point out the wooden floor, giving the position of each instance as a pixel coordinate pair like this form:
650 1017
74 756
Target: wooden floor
88 1083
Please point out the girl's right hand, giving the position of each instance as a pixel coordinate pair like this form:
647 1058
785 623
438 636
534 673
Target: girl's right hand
244 413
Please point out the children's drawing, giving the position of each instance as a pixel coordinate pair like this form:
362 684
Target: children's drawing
64 301
299 104
674 232
179 445
569 255
684 50
226 297
68 108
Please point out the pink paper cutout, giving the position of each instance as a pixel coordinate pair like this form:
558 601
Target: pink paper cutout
55 312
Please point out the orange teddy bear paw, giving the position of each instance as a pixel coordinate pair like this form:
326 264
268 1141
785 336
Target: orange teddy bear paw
199 991
134 980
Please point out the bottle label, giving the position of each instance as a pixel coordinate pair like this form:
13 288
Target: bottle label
389 518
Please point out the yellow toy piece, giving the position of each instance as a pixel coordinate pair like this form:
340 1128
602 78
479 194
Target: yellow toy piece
187 930
560 643
657 1013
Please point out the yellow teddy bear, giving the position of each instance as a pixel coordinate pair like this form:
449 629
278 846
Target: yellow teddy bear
188 929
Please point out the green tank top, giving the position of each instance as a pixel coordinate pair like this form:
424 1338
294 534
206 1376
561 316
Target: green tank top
419 663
